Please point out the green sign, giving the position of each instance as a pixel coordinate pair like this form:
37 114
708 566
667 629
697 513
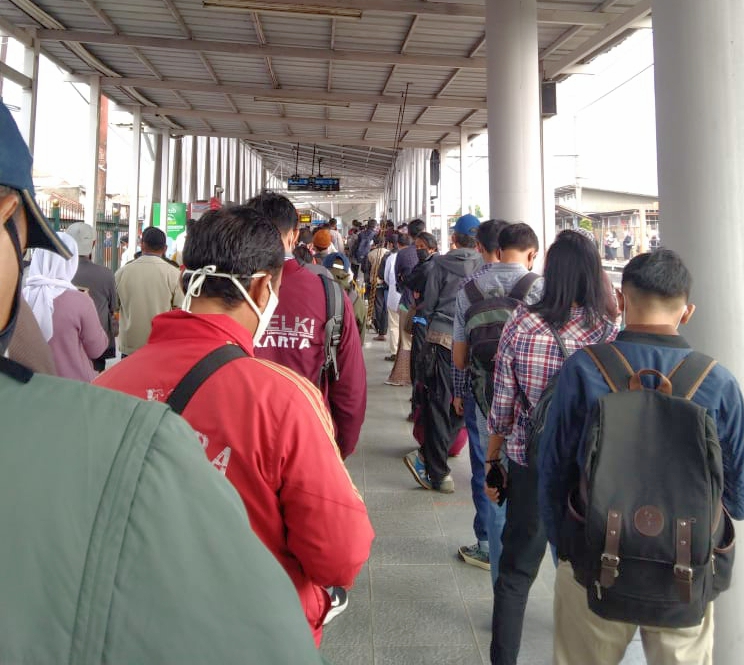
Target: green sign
176 218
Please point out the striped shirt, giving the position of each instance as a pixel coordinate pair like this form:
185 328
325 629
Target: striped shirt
528 357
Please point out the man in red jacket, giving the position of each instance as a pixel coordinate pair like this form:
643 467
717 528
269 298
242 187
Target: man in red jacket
296 335
260 424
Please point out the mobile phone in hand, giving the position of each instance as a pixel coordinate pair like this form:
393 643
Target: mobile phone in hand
496 479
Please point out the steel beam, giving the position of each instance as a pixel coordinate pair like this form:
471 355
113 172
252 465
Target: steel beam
241 48
291 95
622 23
296 120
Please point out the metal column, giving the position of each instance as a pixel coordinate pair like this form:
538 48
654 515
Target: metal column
163 221
30 95
94 126
514 161
135 174
699 59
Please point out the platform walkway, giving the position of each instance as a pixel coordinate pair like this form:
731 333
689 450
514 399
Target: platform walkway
415 603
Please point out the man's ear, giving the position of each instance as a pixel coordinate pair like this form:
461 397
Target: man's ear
8 205
689 311
620 300
259 291
531 256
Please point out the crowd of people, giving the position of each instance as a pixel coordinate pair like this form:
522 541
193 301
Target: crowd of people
193 504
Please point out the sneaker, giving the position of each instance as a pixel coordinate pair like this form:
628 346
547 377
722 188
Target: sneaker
379 338
339 602
475 556
417 467
390 358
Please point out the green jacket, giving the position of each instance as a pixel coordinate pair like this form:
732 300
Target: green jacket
122 544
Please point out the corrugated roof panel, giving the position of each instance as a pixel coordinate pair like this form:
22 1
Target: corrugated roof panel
72 15
249 70
312 31
466 83
359 77
119 58
374 32
426 81
354 112
187 65
445 36
305 73
207 100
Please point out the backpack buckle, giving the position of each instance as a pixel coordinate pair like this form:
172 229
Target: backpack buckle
683 573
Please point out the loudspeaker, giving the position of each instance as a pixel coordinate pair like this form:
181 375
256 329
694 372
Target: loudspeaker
548 102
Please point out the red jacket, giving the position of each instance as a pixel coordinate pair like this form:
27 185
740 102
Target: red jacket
268 431
296 339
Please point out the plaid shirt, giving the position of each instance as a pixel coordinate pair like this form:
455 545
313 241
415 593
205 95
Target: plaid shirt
528 357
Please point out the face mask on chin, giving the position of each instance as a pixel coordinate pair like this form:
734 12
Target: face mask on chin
264 318
7 333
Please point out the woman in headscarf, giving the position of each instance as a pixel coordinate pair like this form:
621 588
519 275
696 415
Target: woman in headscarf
67 317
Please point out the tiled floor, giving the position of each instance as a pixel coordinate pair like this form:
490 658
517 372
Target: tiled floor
416 603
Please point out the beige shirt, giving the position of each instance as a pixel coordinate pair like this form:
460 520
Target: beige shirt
147 287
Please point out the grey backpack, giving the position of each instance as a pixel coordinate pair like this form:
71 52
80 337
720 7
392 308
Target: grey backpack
646 531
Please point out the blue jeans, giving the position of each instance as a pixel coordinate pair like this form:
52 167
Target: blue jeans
477 466
496 515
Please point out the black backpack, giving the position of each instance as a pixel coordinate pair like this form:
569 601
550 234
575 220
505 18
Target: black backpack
334 294
646 531
484 322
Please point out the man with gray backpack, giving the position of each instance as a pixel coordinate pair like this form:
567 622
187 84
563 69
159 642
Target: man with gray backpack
641 468
485 301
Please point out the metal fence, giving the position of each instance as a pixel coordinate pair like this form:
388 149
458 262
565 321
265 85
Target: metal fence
109 230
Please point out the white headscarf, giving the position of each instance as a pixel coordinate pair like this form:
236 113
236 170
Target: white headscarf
49 276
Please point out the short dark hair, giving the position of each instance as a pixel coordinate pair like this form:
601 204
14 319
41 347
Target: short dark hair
573 274
463 240
428 238
404 240
237 240
306 235
488 234
154 238
661 273
276 208
372 224
332 222
416 226
519 236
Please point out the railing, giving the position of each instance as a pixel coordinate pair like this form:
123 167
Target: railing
109 230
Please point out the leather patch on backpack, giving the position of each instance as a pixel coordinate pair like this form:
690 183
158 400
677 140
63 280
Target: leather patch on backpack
649 521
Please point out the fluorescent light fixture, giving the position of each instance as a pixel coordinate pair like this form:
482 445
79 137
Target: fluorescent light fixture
309 102
286 8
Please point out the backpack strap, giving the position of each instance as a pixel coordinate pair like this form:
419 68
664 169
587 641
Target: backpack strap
473 292
199 373
612 364
689 375
523 286
333 328
561 345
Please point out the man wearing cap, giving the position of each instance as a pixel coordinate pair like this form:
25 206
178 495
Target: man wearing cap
340 269
440 421
121 532
99 283
147 286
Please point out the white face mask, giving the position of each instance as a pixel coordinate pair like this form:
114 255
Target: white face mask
195 286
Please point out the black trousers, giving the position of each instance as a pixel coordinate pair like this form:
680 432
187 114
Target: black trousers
417 346
381 312
441 423
523 544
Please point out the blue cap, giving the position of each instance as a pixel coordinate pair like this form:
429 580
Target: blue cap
467 225
15 172
337 260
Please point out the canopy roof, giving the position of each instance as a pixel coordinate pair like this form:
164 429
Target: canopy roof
325 72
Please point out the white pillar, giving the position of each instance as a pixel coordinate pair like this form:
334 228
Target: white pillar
464 201
514 162
29 100
163 221
427 189
444 226
548 175
135 174
699 57
94 122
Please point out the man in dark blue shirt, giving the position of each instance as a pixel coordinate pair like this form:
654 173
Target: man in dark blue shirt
655 301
